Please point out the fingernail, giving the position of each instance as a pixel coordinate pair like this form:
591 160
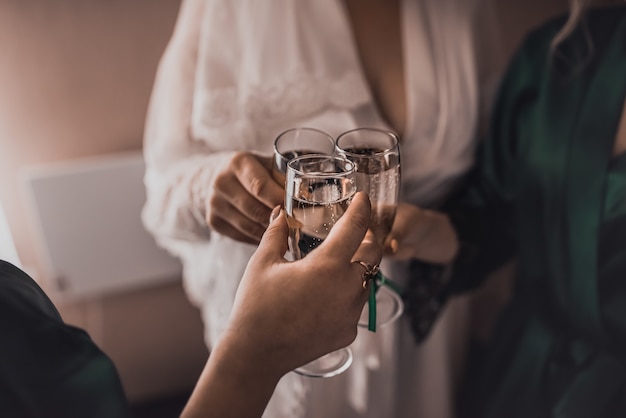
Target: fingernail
393 245
275 213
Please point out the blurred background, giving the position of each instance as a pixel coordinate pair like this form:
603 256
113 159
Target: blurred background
75 81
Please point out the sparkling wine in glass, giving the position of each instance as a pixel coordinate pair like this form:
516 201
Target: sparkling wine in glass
296 142
318 190
376 154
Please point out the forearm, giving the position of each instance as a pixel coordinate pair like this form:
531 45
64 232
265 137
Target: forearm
232 385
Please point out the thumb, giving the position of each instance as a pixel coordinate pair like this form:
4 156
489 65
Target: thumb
273 244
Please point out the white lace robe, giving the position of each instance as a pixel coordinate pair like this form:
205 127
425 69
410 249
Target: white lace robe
238 72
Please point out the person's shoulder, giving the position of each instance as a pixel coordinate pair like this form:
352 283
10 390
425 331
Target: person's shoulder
9 269
20 294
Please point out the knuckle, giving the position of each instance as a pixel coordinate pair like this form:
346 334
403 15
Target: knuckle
241 161
239 158
373 250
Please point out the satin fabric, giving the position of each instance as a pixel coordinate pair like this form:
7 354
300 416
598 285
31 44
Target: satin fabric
49 369
548 190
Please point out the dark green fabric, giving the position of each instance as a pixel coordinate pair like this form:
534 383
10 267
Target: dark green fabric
547 191
47 368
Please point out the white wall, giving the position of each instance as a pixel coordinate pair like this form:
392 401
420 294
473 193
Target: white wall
75 80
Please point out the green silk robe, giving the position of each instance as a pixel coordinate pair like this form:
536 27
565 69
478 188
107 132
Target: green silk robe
49 369
548 191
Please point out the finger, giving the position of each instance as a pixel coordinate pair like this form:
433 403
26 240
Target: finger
256 178
346 235
222 226
224 214
249 207
273 245
367 256
229 189
391 245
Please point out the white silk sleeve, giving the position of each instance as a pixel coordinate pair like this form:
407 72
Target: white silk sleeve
179 166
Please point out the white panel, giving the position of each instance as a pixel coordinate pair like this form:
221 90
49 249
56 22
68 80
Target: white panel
88 213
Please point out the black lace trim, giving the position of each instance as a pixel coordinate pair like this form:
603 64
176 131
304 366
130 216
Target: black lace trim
425 296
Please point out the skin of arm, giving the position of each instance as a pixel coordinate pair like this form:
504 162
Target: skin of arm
286 314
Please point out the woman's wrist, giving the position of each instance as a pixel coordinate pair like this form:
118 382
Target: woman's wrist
236 381
243 360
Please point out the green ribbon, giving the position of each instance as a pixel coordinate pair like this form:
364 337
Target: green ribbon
378 281
371 322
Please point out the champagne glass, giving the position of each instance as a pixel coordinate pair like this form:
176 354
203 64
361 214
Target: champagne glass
318 190
376 153
296 142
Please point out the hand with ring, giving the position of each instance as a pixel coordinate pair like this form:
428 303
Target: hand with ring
370 272
289 313
311 306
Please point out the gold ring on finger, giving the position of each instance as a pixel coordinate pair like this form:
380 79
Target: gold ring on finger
370 272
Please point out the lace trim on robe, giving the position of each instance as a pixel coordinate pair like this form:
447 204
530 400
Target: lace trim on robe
229 111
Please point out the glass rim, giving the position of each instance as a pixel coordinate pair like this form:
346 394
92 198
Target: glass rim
387 132
300 128
350 171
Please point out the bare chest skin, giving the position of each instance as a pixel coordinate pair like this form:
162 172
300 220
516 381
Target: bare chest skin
376 27
377 31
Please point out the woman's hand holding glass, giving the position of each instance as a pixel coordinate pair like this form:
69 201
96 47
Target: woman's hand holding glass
316 301
422 234
251 185
242 198
288 313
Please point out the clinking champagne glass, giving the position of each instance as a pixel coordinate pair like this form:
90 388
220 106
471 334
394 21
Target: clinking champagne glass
376 153
318 190
296 142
